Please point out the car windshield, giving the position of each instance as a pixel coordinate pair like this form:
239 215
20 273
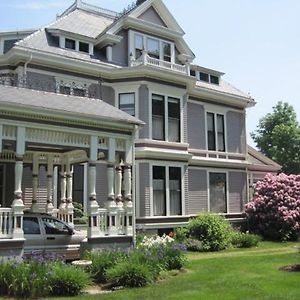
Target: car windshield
31 225
53 226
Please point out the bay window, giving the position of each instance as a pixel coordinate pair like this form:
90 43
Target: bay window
153 48
167 191
165 108
217 192
127 103
139 45
215 132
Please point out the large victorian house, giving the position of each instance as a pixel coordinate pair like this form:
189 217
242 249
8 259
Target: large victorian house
96 92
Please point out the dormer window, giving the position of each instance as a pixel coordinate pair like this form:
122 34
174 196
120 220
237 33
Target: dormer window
204 76
70 44
155 47
84 47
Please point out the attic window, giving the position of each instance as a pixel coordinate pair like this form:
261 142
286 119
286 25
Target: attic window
70 44
214 79
193 73
204 76
83 47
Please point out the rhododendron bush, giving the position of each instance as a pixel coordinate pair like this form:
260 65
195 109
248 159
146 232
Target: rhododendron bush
275 211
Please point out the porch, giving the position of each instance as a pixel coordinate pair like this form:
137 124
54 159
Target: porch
30 148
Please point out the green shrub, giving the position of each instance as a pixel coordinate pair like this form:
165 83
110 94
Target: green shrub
181 234
5 277
245 240
101 261
174 257
129 274
194 245
212 230
68 280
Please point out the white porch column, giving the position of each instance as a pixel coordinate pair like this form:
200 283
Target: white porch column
63 189
128 187
17 205
69 207
109 53
119 201
111 203
93 207
35 182
49 206
55 179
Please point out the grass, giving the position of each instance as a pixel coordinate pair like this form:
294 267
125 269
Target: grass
231 274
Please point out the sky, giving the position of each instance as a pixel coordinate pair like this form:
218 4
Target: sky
256 43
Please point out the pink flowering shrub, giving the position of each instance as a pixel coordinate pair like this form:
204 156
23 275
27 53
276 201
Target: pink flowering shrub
275 211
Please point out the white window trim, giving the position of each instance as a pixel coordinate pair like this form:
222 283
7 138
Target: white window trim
62 44
131 44
226 172
166 125
167 165
215 112
209 77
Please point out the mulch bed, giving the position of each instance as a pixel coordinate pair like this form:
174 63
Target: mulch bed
291 268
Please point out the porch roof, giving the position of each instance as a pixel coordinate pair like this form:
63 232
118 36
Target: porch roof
52 102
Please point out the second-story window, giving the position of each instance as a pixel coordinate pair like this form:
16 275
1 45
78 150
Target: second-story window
215 132
127 103
139 45
165 109
153 48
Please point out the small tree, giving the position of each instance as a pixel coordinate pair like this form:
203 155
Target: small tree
278 137
275 211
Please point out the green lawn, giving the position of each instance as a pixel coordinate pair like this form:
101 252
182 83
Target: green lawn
231 274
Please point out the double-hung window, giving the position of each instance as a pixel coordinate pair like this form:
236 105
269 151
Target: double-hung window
217 192
127 103
165 118
139 45
167 191
215 132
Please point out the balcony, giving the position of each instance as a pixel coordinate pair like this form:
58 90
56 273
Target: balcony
145 60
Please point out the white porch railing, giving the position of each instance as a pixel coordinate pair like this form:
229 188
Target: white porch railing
145 59
6 223
122 224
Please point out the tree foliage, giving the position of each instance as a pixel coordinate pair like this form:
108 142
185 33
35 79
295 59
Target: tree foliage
278 137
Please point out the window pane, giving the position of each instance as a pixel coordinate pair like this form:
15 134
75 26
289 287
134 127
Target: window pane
158 117
175 191
126 103
167 51
78 92
211 140
139 45
83 47
53 226
65 90
1 184
174 119
221 136
193 73
31 225
204 77
159 188
217 192
70 44
153 47
214 79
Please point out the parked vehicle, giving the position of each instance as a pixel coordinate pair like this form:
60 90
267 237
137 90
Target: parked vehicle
47 234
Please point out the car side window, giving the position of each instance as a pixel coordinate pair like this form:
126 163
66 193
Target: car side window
31 225
53 226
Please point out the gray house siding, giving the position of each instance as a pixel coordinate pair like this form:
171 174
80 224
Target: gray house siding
144 111
120 50
101 184
236 132
144 189
108 95
195 126
150 15
9 185
41 82
237 182
197 195
186 188
185 116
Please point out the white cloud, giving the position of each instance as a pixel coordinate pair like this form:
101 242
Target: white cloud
40 4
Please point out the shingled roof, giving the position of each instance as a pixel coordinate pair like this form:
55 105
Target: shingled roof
52 102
